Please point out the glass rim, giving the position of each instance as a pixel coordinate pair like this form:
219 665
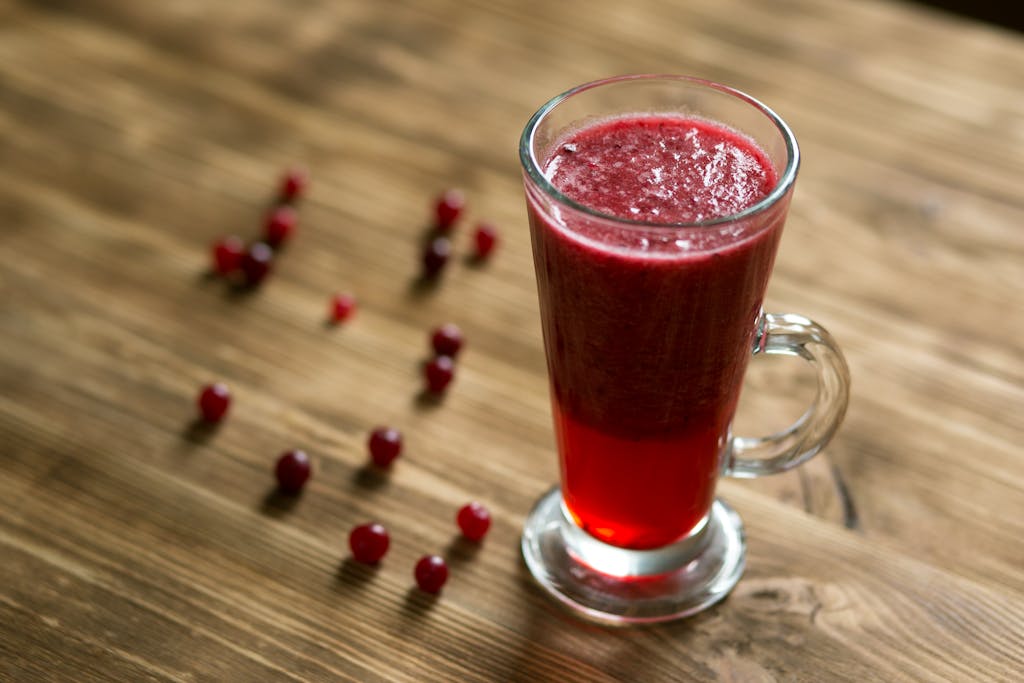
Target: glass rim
533 170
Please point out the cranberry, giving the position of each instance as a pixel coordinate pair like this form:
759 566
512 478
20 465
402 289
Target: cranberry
257 263
436 256
486 238
431 573
369 543
280 225
342 307
385 445
227 254
474 520
294 184
214 401
447 340
292 471
439 373
449 206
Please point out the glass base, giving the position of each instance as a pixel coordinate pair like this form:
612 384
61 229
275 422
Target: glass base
611 585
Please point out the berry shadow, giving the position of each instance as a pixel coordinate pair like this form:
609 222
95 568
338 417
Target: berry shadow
329 323
424 285
474 261
235 287
428 400
234 283
208 275
276 201
238 290
199 431
461 549
352 574
430 232
418 603
277 503
371 477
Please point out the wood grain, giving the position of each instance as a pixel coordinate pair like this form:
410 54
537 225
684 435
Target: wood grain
135 546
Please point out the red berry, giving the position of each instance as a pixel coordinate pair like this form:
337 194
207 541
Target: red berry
474 520
227 254
294 183
431 573
486 239
449 206
257 263
436 256
447 340
342 307
292 471
280 225
385 445
214 401
369 543
439 373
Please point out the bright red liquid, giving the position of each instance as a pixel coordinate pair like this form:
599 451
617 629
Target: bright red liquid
648 330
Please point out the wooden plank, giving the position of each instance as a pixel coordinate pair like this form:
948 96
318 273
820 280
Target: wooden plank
168 547
138 548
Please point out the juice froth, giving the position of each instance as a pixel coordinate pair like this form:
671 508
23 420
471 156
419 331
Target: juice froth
661 169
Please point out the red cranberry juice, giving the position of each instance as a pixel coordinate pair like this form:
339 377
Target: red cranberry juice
648 330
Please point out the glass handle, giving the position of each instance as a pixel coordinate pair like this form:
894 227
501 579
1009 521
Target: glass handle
793 335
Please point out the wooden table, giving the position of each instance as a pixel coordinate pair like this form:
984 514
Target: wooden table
134 546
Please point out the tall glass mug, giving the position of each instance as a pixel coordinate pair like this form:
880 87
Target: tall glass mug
648 328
